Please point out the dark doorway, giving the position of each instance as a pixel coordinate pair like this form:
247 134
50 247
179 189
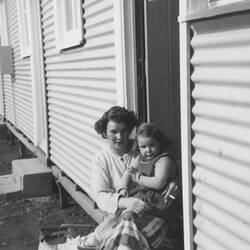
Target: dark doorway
157 34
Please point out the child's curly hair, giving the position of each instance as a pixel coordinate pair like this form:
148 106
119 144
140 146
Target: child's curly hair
152 130
117 114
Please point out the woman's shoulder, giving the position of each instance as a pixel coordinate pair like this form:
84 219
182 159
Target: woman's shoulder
102 154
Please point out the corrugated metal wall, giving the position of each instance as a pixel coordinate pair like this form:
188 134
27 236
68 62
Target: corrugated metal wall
18 91
221 127
81 85
8 95
1 98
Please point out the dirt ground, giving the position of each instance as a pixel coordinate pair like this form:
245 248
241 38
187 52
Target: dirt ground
21 220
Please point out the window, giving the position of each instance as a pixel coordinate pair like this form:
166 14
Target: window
68 23
3 25
23 9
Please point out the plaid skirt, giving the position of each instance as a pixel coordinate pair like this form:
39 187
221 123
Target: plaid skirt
130 232
126 235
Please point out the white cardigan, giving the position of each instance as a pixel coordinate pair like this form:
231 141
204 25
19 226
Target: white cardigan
107 170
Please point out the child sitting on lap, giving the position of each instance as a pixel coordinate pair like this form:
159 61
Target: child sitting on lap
153 169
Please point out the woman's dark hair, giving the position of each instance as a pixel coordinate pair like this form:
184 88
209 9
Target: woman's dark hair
152 130
117 114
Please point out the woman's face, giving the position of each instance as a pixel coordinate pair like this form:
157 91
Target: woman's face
117 136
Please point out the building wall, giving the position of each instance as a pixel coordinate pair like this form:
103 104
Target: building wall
81 84
215 106
8 99
221 131
17 90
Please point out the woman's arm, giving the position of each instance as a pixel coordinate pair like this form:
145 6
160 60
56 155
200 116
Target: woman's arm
108 199
163 171
105 197
132 203
125 181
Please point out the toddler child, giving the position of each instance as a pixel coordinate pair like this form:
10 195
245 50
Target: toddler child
153 169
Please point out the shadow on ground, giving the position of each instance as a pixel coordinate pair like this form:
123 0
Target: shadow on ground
21 220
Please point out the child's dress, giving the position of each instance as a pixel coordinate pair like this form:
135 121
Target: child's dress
154 198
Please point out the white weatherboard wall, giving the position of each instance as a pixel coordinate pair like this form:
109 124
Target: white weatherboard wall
81 85
221 127
17 91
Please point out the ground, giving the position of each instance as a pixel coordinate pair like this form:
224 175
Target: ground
21 220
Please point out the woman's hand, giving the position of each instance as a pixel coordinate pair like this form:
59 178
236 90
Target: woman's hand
134 204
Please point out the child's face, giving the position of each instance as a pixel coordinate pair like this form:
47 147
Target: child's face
149 147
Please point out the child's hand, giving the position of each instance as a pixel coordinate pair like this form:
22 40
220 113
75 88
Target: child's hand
135 174
135 163
132 170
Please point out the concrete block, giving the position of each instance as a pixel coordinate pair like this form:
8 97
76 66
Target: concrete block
8 186
33 177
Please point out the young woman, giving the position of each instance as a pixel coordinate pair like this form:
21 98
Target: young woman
110 163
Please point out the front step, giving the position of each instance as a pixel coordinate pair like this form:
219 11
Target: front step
8 184
29 178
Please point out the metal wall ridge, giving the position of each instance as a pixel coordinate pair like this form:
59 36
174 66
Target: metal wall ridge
221 132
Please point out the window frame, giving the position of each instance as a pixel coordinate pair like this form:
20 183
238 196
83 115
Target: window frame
215 3
68 38
24 27
197 9
4 41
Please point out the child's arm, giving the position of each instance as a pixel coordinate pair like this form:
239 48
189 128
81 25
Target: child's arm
164 168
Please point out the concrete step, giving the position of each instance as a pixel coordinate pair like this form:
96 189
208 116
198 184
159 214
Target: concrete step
8 184
29 178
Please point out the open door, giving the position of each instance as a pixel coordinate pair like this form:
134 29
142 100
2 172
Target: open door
158 77
157 33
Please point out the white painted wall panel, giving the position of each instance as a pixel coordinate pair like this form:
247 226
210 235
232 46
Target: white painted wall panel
8 96
81 85
221 132
18 91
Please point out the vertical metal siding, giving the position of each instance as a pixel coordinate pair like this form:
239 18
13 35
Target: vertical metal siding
81 85
221 76
1 98
8 97
18 91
